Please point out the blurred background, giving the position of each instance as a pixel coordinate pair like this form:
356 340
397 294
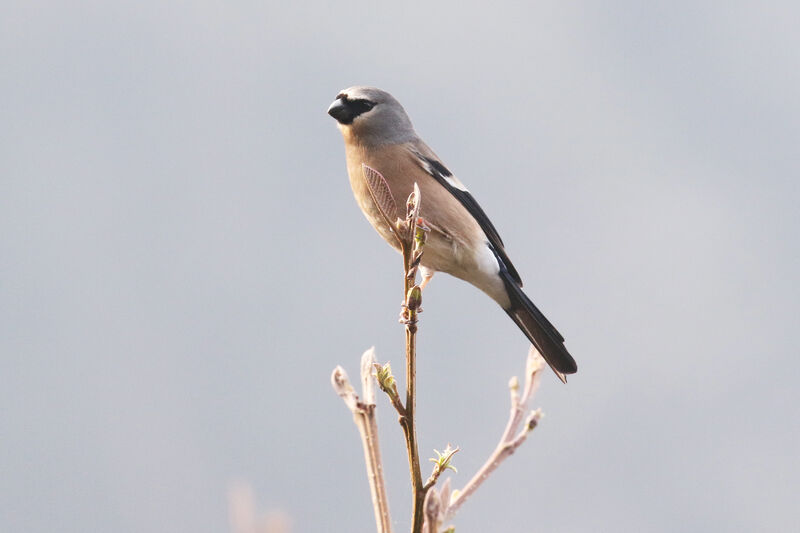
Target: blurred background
182 263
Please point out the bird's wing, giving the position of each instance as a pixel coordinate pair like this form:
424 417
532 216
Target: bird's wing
434 167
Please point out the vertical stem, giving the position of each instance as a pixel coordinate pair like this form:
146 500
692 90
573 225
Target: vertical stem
409 423
418 492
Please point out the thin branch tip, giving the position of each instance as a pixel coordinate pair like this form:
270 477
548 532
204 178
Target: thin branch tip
367 377
341 384
515 433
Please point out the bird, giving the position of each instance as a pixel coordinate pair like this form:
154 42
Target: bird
462 241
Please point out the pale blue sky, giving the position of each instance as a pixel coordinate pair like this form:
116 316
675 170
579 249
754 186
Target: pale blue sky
182 263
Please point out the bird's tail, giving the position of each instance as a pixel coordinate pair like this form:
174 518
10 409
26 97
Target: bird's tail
538 329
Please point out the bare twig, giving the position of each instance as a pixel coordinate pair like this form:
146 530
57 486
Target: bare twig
364 417
412 245
513 436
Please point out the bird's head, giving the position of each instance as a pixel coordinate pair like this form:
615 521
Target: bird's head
368 115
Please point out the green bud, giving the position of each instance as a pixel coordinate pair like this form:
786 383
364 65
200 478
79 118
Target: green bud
384 375
443 459
414 298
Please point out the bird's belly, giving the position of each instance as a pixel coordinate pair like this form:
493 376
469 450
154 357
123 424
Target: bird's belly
371 211
478 267
459 254
442 253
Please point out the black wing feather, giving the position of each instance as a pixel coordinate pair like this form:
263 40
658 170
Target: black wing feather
440 172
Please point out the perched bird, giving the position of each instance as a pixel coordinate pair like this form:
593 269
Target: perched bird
462 242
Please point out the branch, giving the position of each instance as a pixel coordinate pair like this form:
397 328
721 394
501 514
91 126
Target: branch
364 417
411 235
513 436
412 244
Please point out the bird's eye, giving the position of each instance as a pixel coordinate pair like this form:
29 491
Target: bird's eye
361 105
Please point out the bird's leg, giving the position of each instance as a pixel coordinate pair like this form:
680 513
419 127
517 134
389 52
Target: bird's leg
427 275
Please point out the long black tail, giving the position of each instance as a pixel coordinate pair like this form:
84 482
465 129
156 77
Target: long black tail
538 329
